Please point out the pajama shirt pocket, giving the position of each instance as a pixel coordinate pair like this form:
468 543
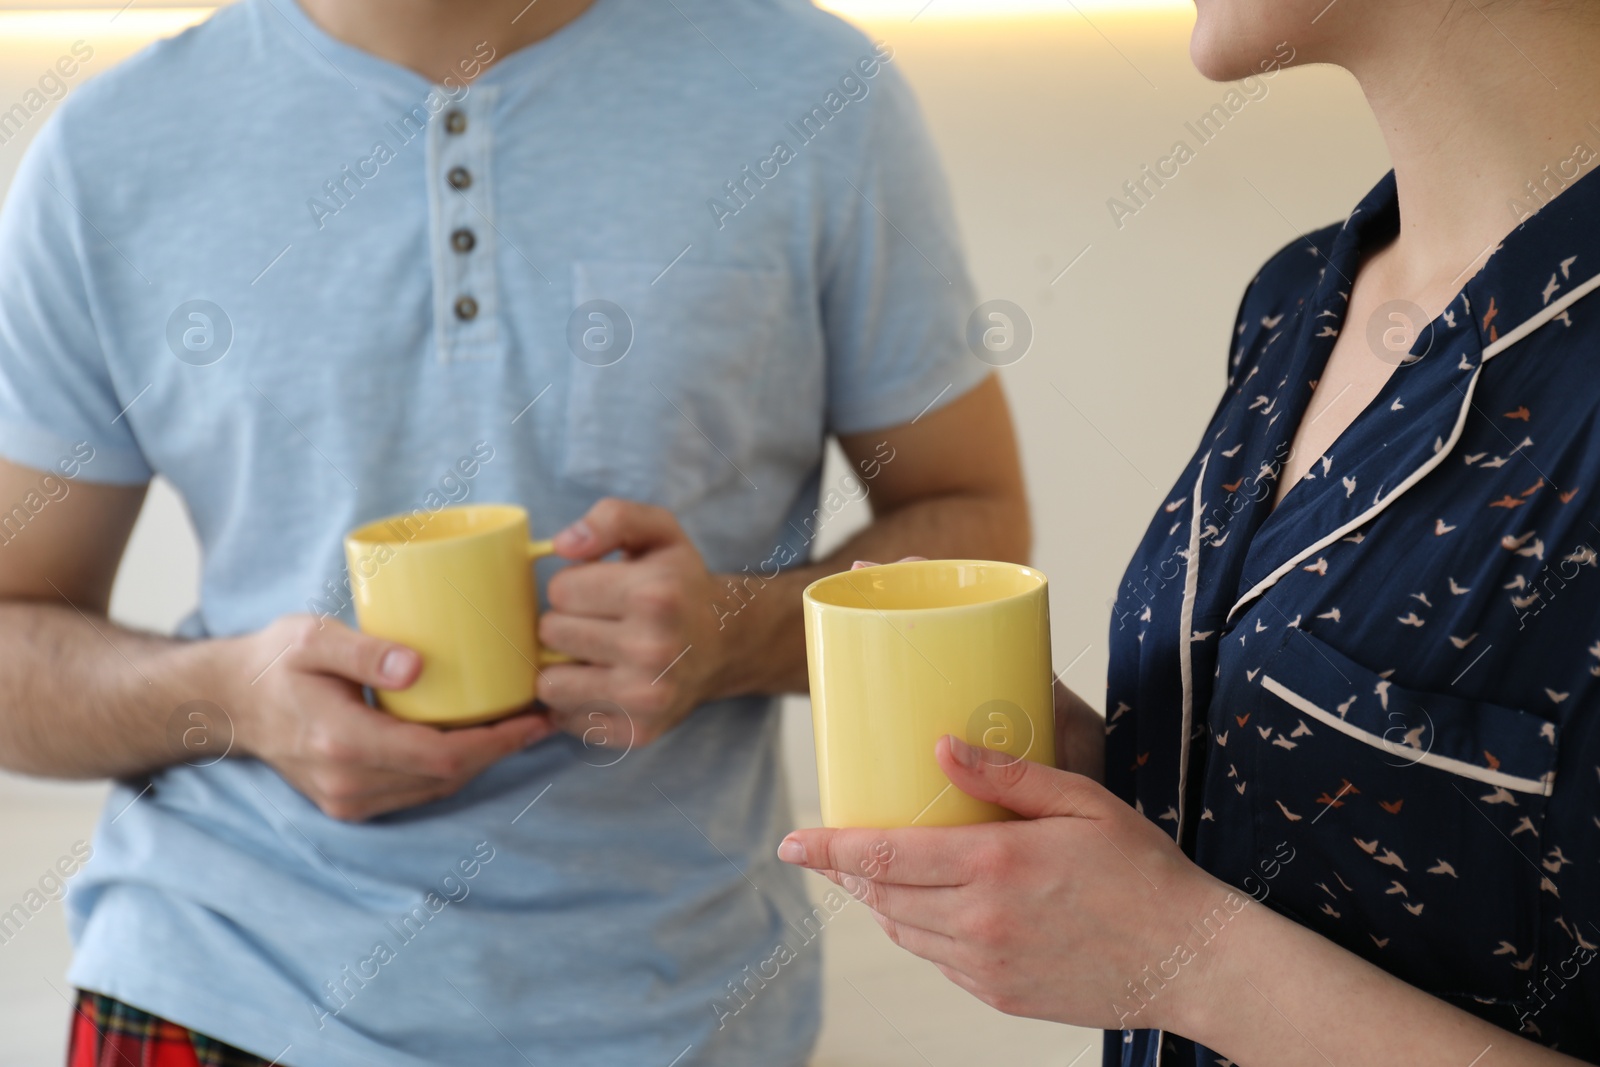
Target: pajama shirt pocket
1415 818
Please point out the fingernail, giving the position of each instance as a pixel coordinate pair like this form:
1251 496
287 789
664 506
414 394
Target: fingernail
397 663
858 564
575 538
792 851
963 753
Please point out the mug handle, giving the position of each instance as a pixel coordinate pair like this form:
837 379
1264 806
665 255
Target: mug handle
538 550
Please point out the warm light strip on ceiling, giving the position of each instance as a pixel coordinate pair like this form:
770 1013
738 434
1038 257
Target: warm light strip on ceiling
43 20
94 23
880 11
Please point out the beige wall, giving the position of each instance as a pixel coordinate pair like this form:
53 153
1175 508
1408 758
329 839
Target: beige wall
1039 122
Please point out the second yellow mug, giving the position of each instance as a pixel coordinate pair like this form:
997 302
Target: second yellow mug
457 586
903 653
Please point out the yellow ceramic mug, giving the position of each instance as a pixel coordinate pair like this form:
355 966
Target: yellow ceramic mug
457 586
903 653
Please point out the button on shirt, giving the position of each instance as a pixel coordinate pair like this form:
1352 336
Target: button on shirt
230 261
1374 708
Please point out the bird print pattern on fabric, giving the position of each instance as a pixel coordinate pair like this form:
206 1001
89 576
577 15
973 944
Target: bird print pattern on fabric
1397 670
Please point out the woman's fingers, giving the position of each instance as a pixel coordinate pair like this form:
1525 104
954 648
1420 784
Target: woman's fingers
938 949
917 856
923 920
1030 789
936 909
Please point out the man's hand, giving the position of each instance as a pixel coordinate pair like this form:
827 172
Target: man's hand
303 714
82 697
642 627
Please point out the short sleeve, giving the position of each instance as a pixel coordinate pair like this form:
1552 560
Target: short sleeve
895 291
56 392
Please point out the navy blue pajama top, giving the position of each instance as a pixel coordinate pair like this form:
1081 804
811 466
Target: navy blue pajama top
1374 708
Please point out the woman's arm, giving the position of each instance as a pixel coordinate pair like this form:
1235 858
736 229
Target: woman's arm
1085 912
1080 735
1280 994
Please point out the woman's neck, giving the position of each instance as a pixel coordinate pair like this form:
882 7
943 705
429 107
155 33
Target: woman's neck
1473 111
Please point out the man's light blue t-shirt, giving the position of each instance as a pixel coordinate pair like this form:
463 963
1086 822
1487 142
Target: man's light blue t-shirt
660 255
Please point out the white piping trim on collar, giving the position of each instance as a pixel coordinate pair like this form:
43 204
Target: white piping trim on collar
1499 346
1544 316
1191 592
1361 520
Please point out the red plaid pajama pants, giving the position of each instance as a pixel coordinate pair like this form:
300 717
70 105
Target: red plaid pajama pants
109 1033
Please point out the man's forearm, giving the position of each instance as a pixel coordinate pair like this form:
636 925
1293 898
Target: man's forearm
762 621
81 697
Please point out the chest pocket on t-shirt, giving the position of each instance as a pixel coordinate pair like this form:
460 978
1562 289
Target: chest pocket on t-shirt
1415 818
677 386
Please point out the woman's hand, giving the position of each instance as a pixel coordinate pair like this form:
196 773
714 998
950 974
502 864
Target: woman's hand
1087 913
1058 917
